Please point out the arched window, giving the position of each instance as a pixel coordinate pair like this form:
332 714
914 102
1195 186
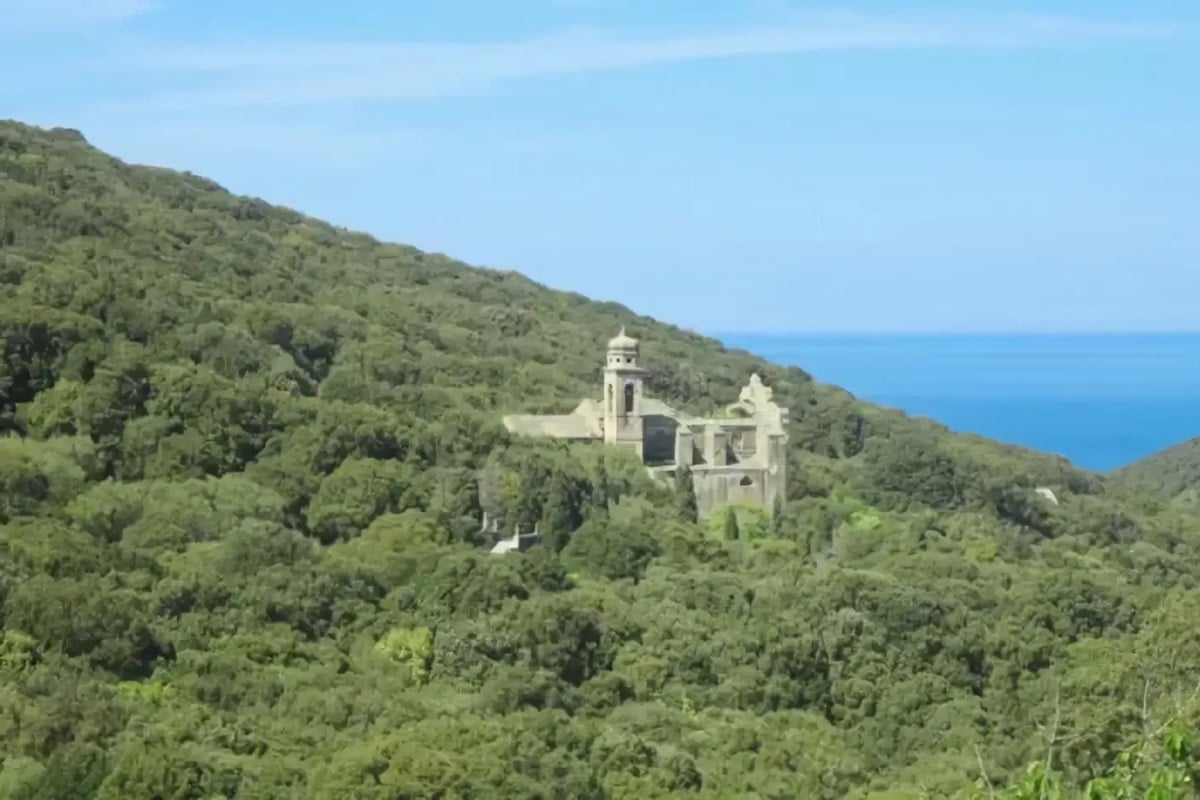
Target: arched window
746 481
610 398
629 398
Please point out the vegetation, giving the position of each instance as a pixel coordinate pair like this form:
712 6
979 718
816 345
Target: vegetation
241 556
1174 473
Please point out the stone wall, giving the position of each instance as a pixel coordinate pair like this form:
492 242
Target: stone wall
715 488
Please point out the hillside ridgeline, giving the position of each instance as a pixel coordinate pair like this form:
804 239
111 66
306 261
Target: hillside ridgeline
240 493
1172 473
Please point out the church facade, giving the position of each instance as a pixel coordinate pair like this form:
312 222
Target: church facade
739 456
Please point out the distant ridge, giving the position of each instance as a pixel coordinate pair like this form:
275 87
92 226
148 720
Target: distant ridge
1171 472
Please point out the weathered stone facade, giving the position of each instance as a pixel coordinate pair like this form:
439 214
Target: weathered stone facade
739 457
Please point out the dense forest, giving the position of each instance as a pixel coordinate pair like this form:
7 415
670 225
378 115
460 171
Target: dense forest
244 456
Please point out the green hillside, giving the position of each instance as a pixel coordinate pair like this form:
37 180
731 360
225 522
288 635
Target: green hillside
1174 472
240 491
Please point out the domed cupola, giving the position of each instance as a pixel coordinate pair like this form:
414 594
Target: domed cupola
622 350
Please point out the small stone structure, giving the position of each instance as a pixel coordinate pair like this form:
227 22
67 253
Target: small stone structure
517 543
739 457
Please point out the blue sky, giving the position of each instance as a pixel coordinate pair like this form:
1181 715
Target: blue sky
877 166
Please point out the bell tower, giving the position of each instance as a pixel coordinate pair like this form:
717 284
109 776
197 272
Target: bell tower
623 380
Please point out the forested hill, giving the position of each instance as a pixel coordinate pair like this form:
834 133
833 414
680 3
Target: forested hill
1174 472
245 460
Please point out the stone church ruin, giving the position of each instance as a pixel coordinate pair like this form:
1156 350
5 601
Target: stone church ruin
738 457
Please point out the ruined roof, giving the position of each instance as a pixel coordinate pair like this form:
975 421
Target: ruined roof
557 426
651 407
589 408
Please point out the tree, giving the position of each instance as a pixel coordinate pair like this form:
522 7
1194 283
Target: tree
491 500
599 496
730 525
777 515
685 494
1163 766
527 489
34 477
354 495
410 647
611 549
562 513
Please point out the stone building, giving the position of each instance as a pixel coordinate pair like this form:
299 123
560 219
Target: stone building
739 456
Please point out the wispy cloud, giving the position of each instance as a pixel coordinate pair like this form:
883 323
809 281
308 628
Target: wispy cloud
30 16
304 73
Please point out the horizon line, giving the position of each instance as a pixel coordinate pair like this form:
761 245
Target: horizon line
951 333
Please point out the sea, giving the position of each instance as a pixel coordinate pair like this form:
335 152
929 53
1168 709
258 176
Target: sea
1101 400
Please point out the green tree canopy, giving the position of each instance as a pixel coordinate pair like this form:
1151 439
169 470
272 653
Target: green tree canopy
244 460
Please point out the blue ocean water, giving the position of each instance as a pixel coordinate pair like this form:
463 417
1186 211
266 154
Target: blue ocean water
1100 400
